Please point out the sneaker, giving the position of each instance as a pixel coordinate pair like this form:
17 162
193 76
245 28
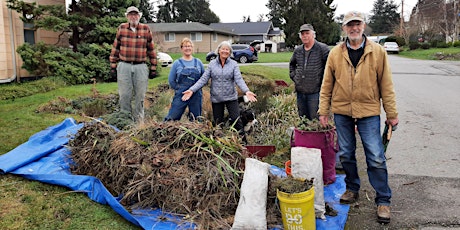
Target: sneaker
383 214
349 197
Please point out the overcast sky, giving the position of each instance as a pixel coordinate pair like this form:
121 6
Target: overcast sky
235 10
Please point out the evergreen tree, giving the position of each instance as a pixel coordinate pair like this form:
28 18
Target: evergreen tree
275 14
186 10
88 21
290 15
385 17
148 12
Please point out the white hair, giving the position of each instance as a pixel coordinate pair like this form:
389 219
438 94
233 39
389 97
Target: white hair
224 43
314 34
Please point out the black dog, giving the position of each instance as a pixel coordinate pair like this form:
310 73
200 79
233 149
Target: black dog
248 118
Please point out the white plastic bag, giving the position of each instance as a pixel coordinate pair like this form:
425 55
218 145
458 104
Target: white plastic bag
306 163
251 212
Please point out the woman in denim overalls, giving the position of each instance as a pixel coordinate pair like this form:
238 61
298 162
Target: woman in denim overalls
184 73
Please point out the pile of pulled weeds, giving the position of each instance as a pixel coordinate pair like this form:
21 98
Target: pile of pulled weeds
186 168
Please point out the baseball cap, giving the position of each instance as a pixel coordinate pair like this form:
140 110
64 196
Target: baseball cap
132 9
353 16
306 27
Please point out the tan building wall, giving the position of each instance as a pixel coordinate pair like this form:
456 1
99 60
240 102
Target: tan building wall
204 46
12 36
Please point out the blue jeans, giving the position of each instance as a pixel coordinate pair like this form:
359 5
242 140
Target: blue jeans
369 131
307 105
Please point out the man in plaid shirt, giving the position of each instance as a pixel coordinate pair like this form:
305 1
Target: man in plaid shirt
132 45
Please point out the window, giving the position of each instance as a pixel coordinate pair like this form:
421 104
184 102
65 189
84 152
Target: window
170 37
195 36
239 47
29 33
214 37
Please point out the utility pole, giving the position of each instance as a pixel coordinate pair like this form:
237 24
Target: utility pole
401 22
445 20
456 15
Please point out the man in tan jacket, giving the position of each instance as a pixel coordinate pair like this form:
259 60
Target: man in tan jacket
357 80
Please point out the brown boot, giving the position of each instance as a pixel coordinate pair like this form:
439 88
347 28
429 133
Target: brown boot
349 197
383 214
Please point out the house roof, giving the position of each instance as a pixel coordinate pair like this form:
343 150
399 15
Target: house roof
244 28
186 27
275 32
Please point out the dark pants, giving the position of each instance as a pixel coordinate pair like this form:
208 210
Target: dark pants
307 105
233 112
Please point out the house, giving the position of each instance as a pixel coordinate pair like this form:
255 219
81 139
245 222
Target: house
167 36
247 32
13 33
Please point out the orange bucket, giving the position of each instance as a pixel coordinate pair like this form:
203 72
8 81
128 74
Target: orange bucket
287 167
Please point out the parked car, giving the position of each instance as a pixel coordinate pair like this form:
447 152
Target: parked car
164 59
391 47
242 53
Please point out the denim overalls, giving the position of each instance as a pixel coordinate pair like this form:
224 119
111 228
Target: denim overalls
188 76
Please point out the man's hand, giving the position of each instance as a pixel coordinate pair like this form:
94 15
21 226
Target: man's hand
323 120
152 73
393 122
113 73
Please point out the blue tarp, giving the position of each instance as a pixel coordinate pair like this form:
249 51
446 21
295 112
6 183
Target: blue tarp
45 158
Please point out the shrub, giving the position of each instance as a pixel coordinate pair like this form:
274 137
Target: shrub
425 45
32 57
442 45
456 44
434 43
400 40
91 61
73 67
414 45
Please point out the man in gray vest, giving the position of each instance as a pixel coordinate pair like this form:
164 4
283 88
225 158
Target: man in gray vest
306 69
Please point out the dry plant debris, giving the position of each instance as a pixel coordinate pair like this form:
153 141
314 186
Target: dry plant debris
185 168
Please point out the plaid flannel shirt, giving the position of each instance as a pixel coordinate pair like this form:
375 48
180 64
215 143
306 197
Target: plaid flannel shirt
133 46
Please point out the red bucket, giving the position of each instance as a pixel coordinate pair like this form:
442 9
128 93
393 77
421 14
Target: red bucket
261 150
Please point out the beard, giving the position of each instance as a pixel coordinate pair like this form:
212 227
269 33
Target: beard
355 37
134 22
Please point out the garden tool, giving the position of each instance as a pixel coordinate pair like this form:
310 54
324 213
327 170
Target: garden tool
386 136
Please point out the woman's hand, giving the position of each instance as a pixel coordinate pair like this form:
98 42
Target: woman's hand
251 96
187 95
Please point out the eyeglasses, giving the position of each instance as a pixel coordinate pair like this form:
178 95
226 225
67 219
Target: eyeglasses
187 46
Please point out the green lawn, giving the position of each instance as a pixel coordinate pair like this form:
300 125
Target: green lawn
431 54
263 57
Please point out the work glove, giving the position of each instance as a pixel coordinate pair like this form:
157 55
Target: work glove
152 74
113 73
